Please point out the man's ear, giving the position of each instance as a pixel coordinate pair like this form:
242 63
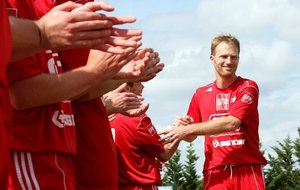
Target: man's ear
127 88
211 57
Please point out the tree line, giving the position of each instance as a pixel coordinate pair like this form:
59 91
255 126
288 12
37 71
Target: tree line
281 173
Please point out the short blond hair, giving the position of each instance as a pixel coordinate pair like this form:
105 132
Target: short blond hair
228 38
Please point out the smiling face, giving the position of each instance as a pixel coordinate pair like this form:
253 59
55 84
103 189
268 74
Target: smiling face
225 59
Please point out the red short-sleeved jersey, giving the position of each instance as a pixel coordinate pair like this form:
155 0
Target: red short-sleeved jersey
96 161
138 146
239 100
48 128
5 49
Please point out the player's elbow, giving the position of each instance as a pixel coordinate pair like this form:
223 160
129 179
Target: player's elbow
18 105
233 123
163 157
190 138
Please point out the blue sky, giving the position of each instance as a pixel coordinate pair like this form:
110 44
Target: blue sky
181 31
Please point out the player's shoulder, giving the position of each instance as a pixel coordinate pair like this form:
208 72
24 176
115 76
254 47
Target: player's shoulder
245 83
205 89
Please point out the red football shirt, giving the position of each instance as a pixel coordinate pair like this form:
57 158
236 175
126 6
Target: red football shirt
96 161
5 49
47 128
239 100
138 146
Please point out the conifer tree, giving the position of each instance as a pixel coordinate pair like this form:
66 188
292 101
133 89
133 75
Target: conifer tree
173 173
191 179
283 172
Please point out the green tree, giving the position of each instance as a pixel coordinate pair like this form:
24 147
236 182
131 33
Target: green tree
283 172
297 155
191 179
173 173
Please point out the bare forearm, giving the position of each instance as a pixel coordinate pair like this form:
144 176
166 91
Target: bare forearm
46 89
100 89
224 124
168 153
26 38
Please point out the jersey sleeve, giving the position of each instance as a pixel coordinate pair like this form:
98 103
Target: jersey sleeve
246 102
24 69
193 110
148 139
29 67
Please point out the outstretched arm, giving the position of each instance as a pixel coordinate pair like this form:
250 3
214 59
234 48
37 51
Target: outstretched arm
71 25
178 133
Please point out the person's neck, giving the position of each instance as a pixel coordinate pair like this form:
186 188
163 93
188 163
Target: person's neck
225 82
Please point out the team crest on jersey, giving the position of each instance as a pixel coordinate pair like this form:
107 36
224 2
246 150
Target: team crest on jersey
247 98
151 129
12 12
222 101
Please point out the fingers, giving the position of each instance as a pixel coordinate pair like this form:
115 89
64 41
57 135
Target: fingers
126 32
122 19
141 98
121 88
68 6
174 144
95 44
95 6
122 42
183 120
92 35
151 72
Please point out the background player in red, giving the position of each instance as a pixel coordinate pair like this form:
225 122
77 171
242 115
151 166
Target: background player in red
225 112
139 150
42 134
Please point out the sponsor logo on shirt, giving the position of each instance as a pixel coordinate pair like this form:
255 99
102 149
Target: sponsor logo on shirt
233 99
54 64
236 142
209 89
222 101
151 130
61 120
247 98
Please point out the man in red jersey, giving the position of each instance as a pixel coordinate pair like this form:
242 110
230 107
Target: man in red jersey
41 129
139 150
226 113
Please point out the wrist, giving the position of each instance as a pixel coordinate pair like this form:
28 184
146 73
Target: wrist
41 35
